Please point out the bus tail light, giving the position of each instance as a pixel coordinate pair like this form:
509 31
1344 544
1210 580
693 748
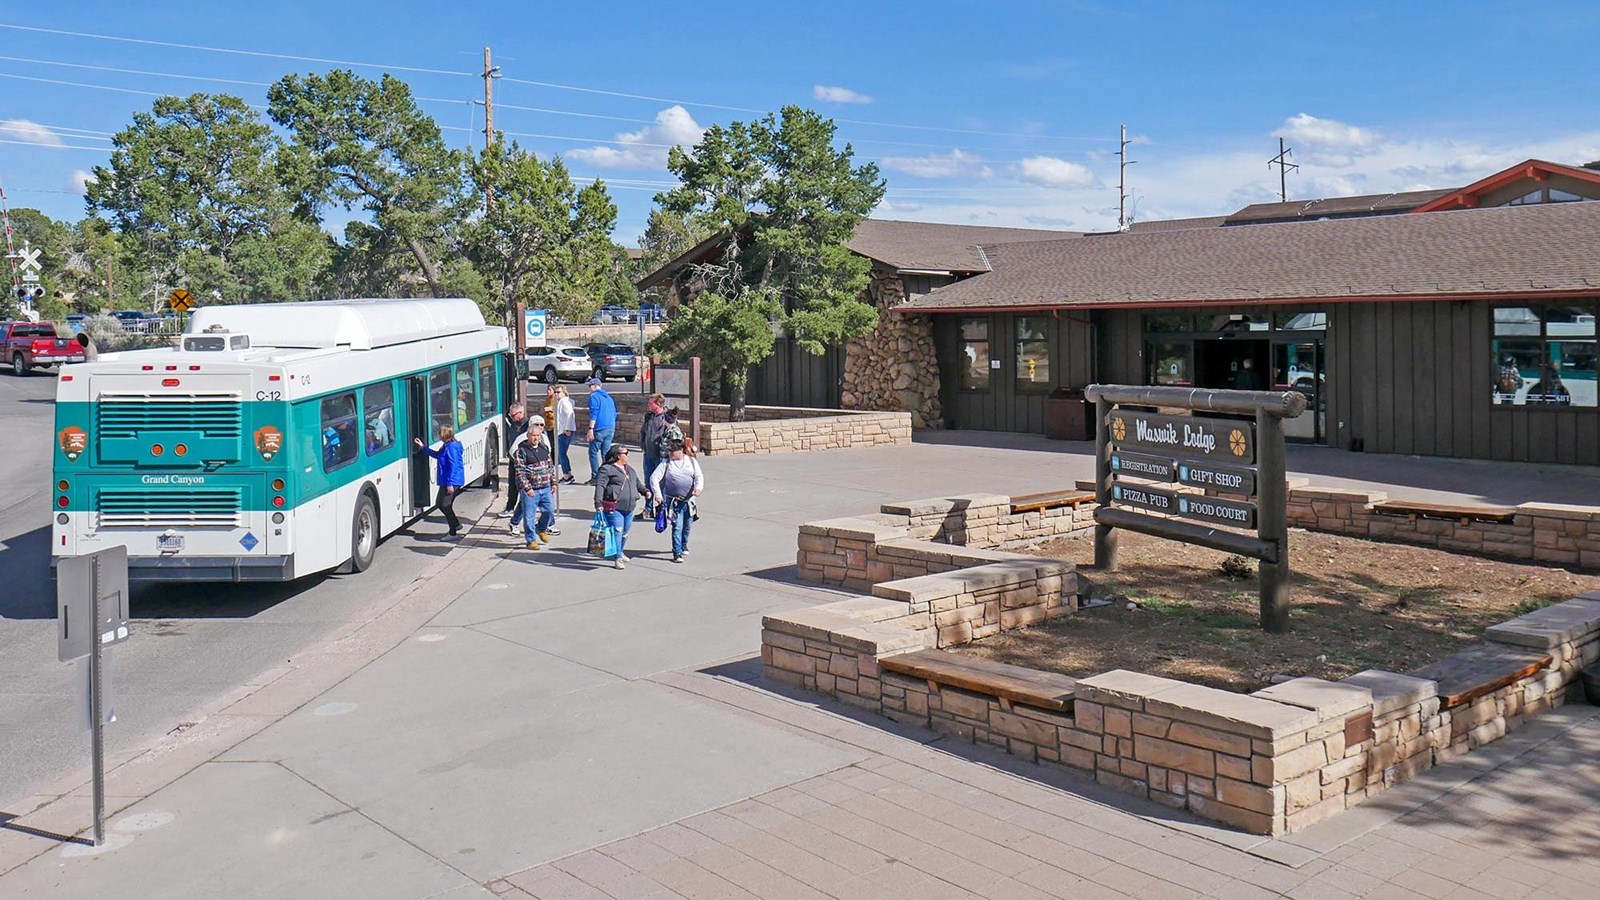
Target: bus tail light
62 485
62 518
169 382
277 518
276 501
61 502
277 484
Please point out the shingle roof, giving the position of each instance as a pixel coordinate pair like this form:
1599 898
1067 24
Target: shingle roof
1364 205
1176 224
938 247
1503 251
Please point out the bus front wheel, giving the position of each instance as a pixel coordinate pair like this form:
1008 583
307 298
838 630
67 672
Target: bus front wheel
364 534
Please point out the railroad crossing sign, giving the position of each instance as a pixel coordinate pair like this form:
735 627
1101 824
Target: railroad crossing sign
30 259
533 324
181 300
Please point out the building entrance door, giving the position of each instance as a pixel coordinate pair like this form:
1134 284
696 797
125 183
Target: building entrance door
1232 364
1299 367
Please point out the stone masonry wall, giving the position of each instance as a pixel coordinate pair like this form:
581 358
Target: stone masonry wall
1271 762
1541 532
766 429
894 366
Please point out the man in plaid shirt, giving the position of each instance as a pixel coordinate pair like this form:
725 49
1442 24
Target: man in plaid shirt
536 475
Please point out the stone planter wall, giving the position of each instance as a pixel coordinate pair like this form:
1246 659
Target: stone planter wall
1540 532
766 429
1272 762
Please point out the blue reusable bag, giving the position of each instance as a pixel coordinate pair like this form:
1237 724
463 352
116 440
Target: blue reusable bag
601 541
661 517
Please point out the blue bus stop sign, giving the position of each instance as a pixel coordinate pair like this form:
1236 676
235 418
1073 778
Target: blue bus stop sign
533 322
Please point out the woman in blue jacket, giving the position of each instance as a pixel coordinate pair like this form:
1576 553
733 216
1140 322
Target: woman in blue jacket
451 474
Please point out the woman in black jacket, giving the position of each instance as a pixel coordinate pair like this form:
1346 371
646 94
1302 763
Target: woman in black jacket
617 489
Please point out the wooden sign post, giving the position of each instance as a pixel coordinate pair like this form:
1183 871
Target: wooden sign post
1233 457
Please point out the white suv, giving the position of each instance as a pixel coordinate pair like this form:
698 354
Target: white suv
553 364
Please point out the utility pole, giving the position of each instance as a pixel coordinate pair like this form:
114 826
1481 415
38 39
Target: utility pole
1122 181
490 73
1283 164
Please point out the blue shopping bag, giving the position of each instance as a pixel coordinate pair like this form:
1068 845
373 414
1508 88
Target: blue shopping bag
601 543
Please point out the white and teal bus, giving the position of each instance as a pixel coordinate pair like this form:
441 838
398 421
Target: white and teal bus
276 440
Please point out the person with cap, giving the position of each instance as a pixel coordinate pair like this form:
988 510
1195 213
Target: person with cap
516 426
602 426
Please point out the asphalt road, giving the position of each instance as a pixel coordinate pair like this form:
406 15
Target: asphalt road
190 643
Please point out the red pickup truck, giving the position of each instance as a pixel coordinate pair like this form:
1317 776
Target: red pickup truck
28 344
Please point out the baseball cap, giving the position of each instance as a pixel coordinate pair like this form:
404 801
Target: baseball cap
593 382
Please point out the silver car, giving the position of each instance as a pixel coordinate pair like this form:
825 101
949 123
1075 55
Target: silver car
553 364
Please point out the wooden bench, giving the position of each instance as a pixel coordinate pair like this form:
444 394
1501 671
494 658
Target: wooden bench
1050 500
1481 670
1014 684
1415 510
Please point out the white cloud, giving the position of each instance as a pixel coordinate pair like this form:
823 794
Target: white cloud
838 95
80 181
647 147
29 132
1325 134
1050 172
955 164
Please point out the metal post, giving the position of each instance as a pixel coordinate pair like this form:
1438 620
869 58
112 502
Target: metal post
97 711
1105 537
1273 521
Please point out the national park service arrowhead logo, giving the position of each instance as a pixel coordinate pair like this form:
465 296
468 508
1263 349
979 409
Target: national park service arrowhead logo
74 441
1236 442
1119 429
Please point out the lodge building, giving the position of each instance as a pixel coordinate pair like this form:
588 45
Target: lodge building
1453 323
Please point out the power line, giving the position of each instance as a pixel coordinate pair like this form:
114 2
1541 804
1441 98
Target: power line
50 62
56 146
255 53
535 83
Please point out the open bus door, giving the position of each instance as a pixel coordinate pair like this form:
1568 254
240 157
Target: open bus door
421 495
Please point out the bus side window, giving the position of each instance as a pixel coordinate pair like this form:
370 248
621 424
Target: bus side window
377 405
486 393
338 430
441 405
466 396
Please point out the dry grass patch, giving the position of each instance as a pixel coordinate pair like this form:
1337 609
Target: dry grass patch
1357 605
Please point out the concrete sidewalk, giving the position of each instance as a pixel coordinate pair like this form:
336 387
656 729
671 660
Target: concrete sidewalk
534 723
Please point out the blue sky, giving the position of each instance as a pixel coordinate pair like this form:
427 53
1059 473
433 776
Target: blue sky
1000 113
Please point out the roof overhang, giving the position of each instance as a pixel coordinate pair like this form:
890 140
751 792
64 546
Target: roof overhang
1534 169
1499 296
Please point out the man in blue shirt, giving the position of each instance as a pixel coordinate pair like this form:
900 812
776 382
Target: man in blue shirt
602 425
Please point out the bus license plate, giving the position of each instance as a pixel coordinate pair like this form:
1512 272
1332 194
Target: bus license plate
169 543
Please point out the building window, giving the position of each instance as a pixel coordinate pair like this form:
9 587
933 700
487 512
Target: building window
440 401
486 397
1167 324
1544 356
377 407
1545 195
1233 322
1170 363
338 430
1302 321
974 354
1033 353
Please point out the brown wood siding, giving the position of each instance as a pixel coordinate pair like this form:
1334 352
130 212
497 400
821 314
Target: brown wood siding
1414 378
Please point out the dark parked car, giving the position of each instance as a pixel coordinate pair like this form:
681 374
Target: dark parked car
613 361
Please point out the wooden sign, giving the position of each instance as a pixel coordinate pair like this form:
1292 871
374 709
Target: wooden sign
1218 477
1232 513
1143 465
1224 440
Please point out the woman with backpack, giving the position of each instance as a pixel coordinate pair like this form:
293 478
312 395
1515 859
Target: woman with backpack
676 483
617 489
